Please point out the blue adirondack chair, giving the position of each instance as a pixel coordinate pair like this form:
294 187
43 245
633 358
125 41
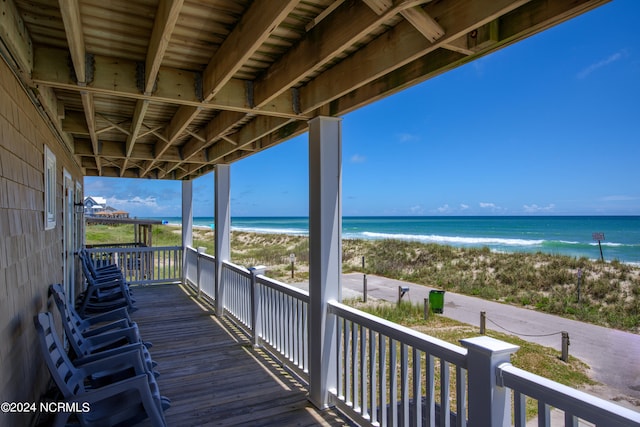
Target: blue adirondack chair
123 402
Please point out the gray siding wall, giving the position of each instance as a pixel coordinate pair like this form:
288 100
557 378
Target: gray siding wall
30 257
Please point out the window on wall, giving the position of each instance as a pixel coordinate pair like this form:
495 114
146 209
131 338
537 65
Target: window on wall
49 189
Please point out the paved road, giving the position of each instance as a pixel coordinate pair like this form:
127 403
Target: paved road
614 356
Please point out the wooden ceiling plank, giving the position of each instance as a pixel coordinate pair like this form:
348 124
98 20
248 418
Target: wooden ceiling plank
404 44
255 26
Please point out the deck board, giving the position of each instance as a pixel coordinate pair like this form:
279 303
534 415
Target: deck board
212 373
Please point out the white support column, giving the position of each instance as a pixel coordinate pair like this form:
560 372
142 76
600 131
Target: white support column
187 223
222 229
325 253
489 404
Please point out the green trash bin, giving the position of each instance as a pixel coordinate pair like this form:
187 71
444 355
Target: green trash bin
436 301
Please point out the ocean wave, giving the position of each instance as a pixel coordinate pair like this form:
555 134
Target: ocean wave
266 230
458 240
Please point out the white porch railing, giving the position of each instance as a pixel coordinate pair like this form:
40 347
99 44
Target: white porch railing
575 405
390 375
273 313
142 265
200 271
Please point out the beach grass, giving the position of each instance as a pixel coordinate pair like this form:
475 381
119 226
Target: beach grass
609 292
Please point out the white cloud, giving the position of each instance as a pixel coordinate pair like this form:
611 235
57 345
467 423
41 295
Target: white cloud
148 201
618 198
416 210
357 158
443 209
593 67
463 206
535 208
491 206
407 137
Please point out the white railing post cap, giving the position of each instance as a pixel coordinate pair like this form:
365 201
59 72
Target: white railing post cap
201 249
258 269
488 345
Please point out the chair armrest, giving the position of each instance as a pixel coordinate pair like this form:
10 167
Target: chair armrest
130 334
125 357
120 313
109 327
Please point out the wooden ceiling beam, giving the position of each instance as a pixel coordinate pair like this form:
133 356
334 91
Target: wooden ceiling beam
338 31
117 77
163 26
404 44
252 131
255 26
183 117
222 124
422 22
15 37
136 125
70 11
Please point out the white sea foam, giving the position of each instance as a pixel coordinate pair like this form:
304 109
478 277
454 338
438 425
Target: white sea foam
458 240
265 230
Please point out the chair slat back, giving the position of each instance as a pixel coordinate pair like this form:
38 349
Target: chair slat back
68 379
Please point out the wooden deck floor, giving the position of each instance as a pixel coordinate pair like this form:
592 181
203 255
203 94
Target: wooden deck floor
211 372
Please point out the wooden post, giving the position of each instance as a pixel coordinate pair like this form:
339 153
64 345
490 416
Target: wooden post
364 288
483 322
426 308
565 346
364 283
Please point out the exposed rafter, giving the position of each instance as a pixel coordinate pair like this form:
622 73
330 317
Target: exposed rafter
169 89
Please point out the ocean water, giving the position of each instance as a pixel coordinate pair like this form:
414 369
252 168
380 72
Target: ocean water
564 235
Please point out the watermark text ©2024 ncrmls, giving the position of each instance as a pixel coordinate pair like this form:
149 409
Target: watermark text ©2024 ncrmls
46 407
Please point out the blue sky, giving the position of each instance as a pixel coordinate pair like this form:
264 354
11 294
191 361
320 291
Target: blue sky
548 126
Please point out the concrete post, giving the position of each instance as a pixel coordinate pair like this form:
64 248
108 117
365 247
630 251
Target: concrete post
187 223
489 404
325 253
222 230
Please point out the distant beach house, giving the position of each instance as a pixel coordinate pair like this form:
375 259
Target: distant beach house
97 207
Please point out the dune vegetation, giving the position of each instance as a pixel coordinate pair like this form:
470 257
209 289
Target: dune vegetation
609 292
